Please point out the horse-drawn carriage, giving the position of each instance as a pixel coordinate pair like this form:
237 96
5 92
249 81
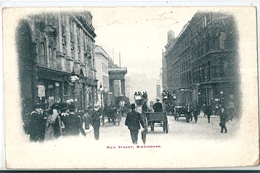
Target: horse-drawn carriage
183 111
151 118
112 116
157 117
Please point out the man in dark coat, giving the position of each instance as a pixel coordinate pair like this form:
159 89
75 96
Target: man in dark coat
157 106
223 119
196 113
37 123
189 113
208 112
95 115
72 122
145 108
133 121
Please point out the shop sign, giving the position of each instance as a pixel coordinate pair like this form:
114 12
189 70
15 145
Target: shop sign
41 91
186 90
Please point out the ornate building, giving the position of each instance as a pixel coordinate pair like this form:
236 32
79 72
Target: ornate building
116 81
51 47
204 59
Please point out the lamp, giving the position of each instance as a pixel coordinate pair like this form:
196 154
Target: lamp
73 79
101 94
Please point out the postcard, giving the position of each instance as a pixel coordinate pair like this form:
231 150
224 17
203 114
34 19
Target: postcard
130 87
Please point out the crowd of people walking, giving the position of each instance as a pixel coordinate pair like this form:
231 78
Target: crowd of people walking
61 119
225 114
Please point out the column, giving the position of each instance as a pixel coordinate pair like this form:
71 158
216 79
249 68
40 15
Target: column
123 87
82 59
59 54
62 91
76 55
68 48
111 86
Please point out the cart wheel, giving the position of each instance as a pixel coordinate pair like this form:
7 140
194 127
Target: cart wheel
166 128
187 119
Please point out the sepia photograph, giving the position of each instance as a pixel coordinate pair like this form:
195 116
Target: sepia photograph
130 87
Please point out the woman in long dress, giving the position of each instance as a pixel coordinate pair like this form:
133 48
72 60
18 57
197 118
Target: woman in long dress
52 117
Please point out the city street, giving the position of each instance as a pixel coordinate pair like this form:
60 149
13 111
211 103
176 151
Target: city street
112 134
184 143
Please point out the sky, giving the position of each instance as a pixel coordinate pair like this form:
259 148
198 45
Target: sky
139 34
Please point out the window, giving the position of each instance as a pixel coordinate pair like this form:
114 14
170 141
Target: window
222 39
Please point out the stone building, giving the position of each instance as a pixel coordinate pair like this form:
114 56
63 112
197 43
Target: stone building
116 81
170 42
203 62
101 58
51 47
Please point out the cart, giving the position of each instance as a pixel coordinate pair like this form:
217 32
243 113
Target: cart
157 117
180 112
112 115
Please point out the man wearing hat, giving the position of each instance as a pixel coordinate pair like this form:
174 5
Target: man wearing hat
157 106
72 122
133 121
95 115
37 123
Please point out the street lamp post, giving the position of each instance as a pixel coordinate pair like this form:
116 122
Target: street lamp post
101 95
73 79
101 99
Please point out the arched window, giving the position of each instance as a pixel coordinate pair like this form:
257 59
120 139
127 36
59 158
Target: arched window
43 57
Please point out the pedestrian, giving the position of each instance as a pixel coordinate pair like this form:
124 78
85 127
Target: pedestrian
86 120
223 119
196 113
157 106
208 112
52 124
189 114
72 123
133 121
95 115
37 121
145 108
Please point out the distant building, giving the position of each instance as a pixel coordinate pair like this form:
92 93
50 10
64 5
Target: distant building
204 59
170 43
50 47
101 58
116 80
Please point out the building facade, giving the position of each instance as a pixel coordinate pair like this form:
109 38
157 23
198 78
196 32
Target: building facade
117 84
101 59
51 47
170 43
204 60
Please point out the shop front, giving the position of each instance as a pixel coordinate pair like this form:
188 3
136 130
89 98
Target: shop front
219 94
56 86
